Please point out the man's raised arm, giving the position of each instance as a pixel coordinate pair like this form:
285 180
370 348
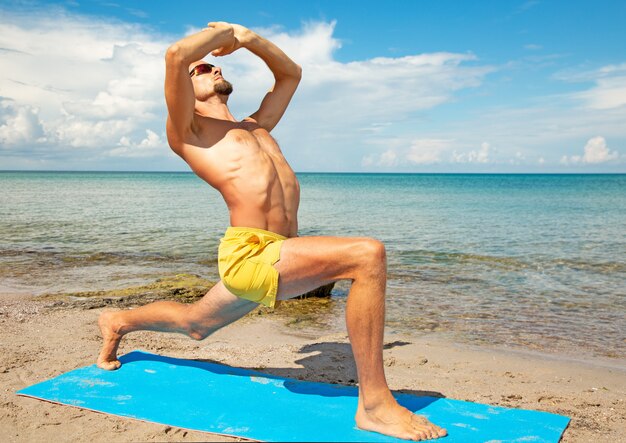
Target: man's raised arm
286 72
179 93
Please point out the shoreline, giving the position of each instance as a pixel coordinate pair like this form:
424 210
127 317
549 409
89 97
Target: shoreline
598 362
616 364
317 314
39 340
186 171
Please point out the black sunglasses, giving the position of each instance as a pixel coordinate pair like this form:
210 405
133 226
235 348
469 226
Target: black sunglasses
204 68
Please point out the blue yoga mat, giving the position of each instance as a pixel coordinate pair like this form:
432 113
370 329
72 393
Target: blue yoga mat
239 402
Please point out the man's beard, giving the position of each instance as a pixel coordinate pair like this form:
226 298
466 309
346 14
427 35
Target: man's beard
223 87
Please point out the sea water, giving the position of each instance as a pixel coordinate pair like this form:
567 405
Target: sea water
536 261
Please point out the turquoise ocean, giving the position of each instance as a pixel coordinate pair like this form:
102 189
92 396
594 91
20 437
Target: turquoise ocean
530 261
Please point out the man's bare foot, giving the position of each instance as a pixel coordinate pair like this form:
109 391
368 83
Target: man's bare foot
390 418
110 341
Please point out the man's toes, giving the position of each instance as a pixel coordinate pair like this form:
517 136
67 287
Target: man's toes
421 435
439 431
412 434
432 430
427 432
431 433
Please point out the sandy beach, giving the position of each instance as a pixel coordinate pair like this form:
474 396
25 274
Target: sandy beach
41 338
461 165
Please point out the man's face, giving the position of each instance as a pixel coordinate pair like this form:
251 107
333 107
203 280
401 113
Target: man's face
207 80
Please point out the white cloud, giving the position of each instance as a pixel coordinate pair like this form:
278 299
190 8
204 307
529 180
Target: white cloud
104 96
313 44
596 152
103 99
77 132
342 97
473 156
78 83
403 154
549 127
134 90
388 158
427 151
607 94
147 147
609 91
20 124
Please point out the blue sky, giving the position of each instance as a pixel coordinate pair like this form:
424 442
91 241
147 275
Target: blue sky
405 86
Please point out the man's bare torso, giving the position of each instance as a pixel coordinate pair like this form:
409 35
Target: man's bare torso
245 164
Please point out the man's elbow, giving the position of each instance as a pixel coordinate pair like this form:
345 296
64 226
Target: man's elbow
298 72
174 54
293 74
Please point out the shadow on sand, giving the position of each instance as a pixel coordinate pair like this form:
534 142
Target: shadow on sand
329 370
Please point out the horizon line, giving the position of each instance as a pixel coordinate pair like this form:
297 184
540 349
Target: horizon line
316 172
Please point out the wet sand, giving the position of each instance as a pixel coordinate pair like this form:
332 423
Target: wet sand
41 338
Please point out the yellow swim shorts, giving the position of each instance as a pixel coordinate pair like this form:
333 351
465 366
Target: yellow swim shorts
245 261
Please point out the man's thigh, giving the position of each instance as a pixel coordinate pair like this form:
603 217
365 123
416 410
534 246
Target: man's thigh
307 263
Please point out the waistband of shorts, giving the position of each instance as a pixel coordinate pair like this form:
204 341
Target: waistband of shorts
239 230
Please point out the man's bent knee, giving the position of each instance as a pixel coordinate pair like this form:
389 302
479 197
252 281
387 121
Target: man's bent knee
378 251
196 325
372 249
372 256
200 330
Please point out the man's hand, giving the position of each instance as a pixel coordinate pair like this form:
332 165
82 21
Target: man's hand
242 36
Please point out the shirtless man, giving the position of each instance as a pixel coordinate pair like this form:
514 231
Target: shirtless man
261 258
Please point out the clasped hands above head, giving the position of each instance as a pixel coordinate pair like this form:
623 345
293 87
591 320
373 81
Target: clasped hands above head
240 37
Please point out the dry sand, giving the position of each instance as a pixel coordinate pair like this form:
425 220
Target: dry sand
39 340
